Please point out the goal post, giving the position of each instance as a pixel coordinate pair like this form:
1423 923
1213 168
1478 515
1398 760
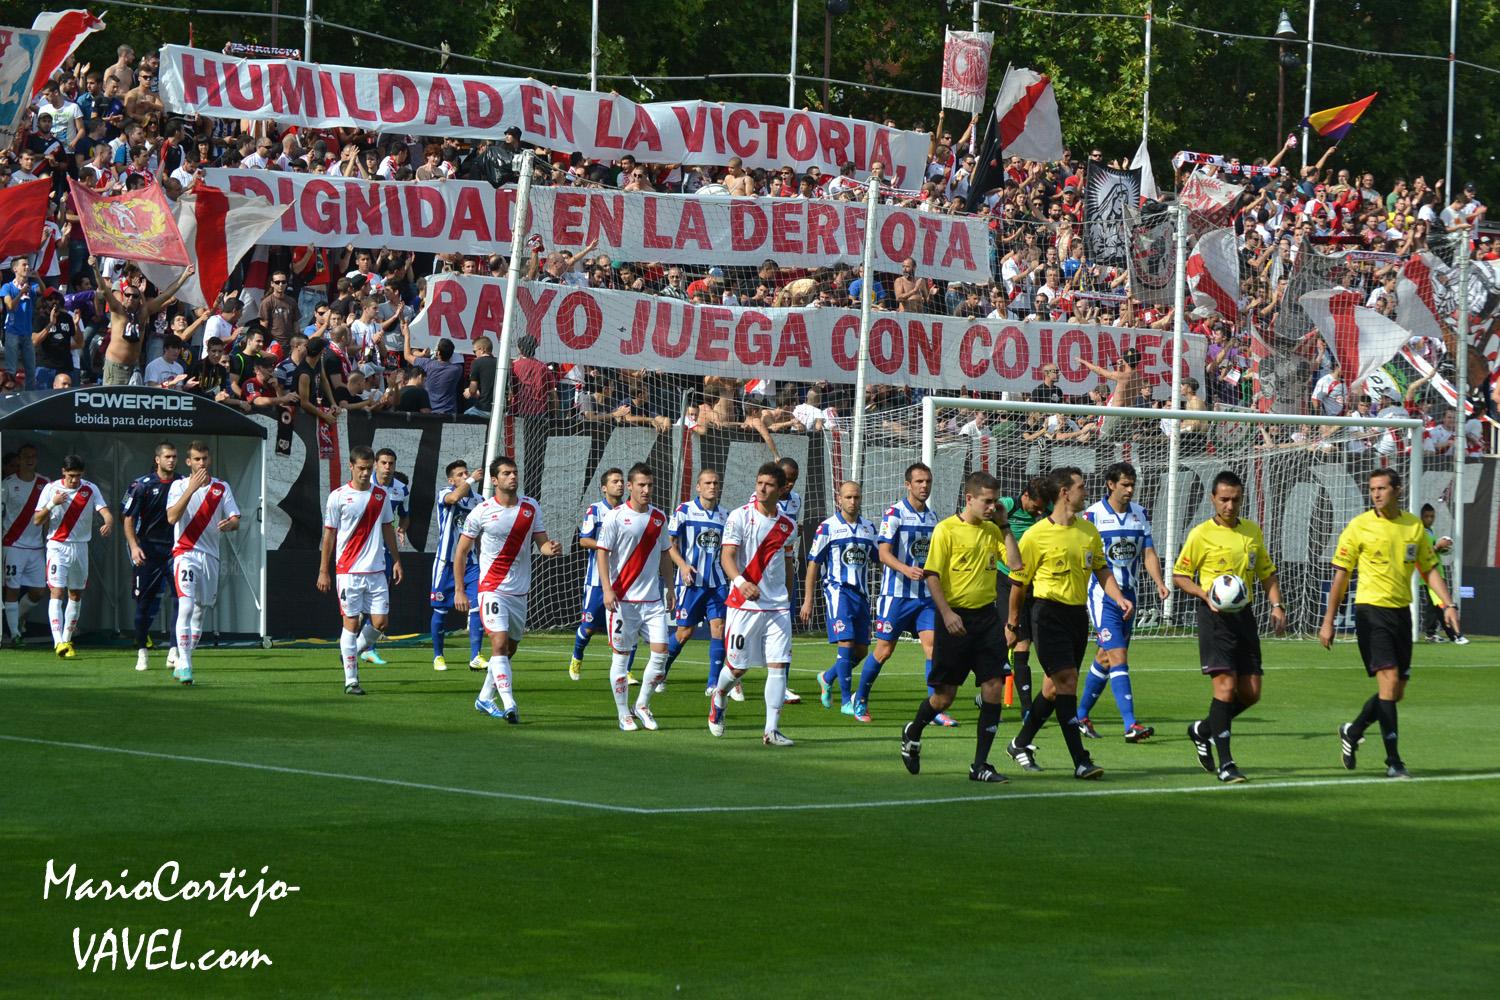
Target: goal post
1304 479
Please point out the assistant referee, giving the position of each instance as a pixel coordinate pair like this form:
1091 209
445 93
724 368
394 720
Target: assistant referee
962 562
1382 546
1058 556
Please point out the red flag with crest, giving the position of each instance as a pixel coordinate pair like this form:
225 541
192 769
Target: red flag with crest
136 225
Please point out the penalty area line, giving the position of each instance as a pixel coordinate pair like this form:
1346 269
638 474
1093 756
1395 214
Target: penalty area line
1001 796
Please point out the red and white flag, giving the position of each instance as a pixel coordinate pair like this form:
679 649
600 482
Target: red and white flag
1213 274
66 30
1026 110
966 69
1361 338
136 225
1417 290
219 229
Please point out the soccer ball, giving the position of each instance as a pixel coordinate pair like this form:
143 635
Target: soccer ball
1229 593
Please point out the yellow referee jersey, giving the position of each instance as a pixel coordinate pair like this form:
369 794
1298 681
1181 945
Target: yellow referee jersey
962 556
1212 550
1383 551
1057 560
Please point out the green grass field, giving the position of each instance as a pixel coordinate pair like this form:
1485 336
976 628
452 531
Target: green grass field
443 853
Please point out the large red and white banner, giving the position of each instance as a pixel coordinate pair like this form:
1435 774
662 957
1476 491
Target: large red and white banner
601 126
625 330
473 217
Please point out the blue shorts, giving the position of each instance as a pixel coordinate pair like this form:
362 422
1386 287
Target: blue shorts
442 599
895 615
1111 629
592 616
150 577
696 605
848 616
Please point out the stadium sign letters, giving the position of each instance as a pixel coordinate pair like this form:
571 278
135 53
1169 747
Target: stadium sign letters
472 217
180 402
601 126
626 330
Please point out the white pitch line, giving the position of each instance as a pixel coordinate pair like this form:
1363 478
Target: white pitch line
1080 793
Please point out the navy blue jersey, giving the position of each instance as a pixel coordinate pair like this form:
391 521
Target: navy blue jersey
145 504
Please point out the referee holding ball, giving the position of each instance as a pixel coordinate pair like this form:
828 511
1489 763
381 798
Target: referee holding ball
1058 556
1382 546
961 567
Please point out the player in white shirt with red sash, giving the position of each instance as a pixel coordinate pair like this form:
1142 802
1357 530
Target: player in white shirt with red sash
25 544
359 524
506 525
63 512
200 508
758 623
629 553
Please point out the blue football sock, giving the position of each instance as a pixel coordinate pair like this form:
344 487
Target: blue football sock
844 666
630 664
476 634
927 672
715 660
1093 686
1119 685
867 675
439 619
674 647
581 641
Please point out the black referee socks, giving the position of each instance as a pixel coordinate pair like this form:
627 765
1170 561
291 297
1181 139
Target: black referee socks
989 725
1219 714
1020 668
1066 707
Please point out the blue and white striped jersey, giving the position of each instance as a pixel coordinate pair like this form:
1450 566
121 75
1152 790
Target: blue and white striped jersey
450 522
397 493
843 552
1126 536
697 532
909 532
593 520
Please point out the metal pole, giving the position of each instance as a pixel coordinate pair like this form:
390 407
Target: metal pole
1452 74
507 321
1414 497
307 23
827 54
594 48
791 73
275 23
1174 443
929 432
866 304
1460 386
1146 95
1312 12
973 132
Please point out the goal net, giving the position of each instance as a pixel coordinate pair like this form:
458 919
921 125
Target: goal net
1303 480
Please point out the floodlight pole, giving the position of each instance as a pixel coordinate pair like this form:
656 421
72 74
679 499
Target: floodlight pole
1461 387
508 317
1174 443
866 304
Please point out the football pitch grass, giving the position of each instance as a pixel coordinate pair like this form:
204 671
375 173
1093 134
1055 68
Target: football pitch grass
440 852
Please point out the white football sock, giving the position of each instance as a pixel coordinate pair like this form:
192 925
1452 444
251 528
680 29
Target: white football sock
619 666
500 670
656 667
13 617
55 616
775 697
368 637
487 689
727 680
349 650
70 618
185 641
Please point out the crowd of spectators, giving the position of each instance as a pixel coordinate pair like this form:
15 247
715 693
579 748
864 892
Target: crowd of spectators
319 330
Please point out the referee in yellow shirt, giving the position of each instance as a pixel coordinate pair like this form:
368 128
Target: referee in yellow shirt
1228 643
1382 546
1058 555
960 571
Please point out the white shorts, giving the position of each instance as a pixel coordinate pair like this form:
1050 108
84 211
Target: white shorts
196 577
25 568
756 638
503 613
634 619
363 594
68 565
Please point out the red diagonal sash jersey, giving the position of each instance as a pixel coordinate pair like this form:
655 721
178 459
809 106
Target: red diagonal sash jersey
71 520
635 540
356 517
763 539
504 536
20 503
198 528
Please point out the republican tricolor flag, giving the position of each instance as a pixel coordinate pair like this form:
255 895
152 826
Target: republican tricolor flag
1334 123
218 228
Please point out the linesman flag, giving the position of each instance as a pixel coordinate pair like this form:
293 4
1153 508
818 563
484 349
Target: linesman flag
1335 123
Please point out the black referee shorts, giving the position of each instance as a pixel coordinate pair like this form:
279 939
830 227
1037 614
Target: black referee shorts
1384 637
148 579
1059 634
1228 643
980 650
